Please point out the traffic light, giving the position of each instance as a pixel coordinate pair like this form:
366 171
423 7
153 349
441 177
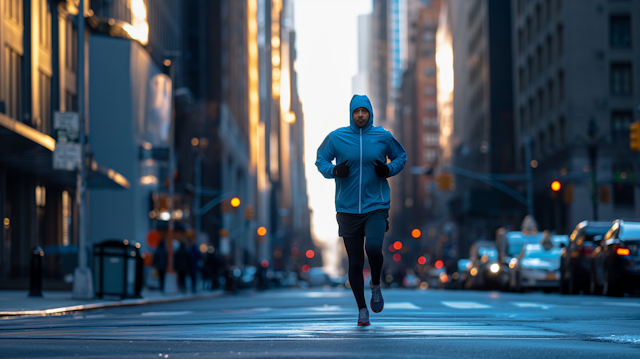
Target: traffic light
248 213
634 136
604 194
445 181
555 186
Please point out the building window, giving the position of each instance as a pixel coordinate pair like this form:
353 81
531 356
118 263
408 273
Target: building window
547 8
543 144
430 139
620 31
430 121
541 107
538 18
44 17
539 59
621 79
620 121
521 79
13 10
549 50
562 131
550 103
552 136
560 40
529 70
560 86
623 194
520 40
71 43
429 90
44 102
529 30
430 71
532 110
429 155
523 116
11 80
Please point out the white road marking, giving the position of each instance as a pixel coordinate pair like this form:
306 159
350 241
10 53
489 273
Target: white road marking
614 304
185 312
465 305
327 308
531 305
401 305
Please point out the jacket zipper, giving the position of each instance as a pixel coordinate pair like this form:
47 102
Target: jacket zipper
382 196
360 194
339 189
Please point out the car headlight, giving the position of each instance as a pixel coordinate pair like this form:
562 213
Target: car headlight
495 267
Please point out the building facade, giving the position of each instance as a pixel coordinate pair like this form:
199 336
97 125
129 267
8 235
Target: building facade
575 93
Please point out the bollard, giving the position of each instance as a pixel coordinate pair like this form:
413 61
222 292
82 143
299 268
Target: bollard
37 267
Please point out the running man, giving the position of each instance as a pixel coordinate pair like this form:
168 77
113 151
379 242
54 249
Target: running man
362 193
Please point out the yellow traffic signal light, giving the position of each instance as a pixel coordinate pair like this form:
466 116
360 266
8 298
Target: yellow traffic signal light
262 231
445 181
555 186
235 202
634 136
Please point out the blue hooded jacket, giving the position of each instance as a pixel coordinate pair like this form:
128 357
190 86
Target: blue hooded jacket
362 191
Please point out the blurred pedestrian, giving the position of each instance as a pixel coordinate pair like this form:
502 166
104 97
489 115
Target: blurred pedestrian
362 193
196 257
210 270
160 262
182 265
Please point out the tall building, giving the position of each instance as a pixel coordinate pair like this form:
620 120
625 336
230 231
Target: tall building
575 94
38 75
417 126
360 83
477 126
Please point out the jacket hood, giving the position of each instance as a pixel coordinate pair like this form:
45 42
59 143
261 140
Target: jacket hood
356 102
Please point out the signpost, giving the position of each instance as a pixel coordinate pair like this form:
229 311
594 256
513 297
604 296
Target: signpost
68 152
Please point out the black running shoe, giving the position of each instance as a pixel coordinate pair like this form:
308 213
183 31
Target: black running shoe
377 302
363 317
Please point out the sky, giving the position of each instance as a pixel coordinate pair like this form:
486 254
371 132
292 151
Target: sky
327 54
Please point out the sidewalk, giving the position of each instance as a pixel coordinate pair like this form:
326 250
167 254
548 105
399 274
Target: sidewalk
17 302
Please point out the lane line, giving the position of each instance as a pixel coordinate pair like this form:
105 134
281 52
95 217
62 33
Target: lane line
531 305
401 305
465 305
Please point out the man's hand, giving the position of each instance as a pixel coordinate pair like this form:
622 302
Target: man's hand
341 170
382 170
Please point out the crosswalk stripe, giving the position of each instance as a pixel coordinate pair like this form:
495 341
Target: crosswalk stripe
465 305
401 305
531 305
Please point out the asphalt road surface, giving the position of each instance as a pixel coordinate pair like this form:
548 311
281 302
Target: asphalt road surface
322 323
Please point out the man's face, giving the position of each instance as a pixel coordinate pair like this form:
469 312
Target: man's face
361 116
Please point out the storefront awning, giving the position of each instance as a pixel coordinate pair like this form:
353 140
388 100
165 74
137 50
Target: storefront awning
28 151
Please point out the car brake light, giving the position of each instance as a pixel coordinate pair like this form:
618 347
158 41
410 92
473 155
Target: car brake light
586 250
623 251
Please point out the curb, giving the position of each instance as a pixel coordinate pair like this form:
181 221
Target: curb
110 304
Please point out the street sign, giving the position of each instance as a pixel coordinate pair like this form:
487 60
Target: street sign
68 152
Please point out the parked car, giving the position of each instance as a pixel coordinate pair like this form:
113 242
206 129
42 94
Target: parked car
616 262
317 277
510 244
575 262
483 272
536 267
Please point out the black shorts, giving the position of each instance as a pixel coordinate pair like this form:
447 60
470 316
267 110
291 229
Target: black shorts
352 225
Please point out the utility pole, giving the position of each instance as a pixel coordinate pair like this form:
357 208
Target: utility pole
592 131
82 280
529 172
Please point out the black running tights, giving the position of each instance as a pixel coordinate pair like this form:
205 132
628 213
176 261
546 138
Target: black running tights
374 231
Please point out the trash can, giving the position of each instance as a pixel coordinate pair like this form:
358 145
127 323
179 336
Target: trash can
117 268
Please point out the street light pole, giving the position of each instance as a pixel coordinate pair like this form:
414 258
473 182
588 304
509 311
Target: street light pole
592 131
82 281
529 172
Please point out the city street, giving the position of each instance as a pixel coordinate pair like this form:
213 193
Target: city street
319 323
